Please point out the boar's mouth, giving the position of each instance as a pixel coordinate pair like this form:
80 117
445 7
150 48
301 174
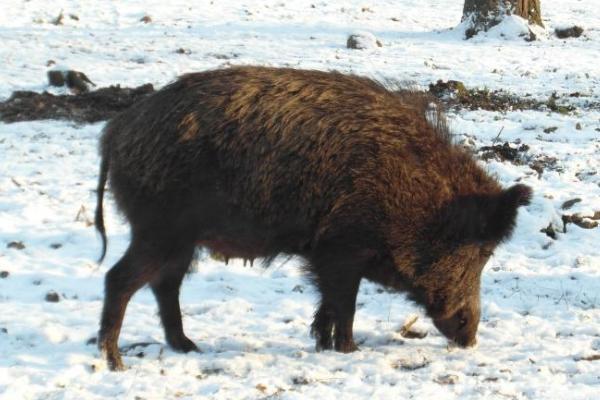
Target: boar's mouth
460 329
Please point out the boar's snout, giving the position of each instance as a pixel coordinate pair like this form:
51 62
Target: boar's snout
461 327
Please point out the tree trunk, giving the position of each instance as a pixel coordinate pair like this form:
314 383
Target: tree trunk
483 14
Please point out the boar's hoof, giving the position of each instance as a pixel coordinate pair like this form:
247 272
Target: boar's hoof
346 346
182 344
323 338
110 352
113 360
115 363
323 343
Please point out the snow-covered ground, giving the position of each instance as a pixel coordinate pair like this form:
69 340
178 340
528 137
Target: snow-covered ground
540 332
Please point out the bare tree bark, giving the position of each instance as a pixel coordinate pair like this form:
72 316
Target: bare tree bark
530 10
484 14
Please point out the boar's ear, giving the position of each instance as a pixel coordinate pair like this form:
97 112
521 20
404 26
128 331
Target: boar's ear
502 220
484 217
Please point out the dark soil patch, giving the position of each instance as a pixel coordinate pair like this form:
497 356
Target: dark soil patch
52 297
571 32
454 94
593 357
517 154
549 231
543 163
570 203
449 88
99 105
15 245
504 152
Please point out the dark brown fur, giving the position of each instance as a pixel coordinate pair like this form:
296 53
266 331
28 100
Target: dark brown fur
253 162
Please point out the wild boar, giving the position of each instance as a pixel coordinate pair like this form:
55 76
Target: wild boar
358 180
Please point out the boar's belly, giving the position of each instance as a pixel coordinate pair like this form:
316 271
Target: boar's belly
230 248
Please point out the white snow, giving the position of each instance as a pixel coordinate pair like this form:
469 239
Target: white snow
510 28
540 297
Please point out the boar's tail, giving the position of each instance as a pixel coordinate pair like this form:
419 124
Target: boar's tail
99 217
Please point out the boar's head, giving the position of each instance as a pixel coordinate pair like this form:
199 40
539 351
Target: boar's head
462 237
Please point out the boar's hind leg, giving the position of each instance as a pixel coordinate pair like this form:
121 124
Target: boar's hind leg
338 284
138 266
120 283
166 290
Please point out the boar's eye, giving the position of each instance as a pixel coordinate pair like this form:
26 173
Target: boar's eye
462 323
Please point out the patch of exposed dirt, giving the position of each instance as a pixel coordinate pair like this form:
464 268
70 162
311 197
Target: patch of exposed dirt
454 94
593 357
570 32
504 152
98 105
15 245
52 297
570 203
517 154
543 162
550 231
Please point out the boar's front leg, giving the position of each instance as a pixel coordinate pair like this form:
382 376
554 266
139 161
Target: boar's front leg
322 327
338 280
